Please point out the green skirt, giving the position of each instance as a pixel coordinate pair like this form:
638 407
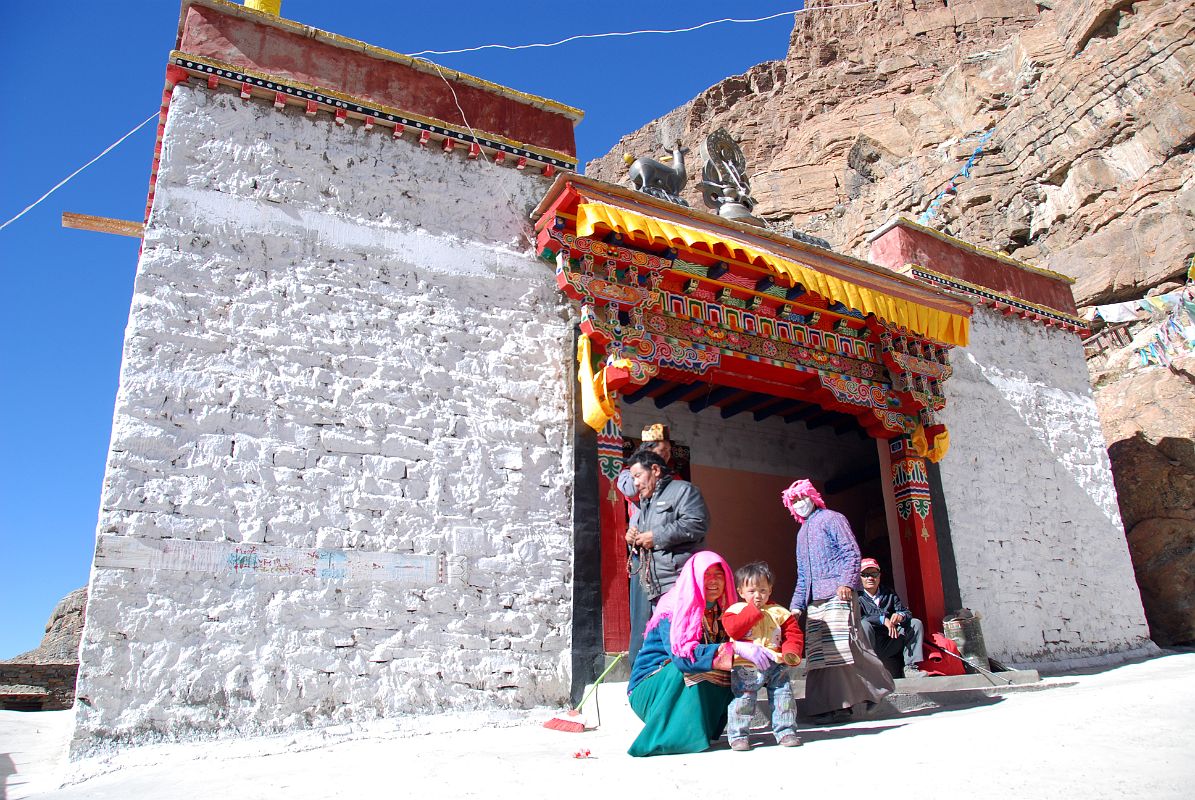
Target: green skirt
677 718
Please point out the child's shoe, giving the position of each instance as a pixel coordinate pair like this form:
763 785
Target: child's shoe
740 745
790 740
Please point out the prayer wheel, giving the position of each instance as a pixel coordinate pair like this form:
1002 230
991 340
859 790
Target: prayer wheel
964 630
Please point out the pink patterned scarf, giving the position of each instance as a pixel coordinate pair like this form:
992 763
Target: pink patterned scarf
798 489
684 603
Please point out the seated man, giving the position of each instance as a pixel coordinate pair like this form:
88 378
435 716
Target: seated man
892 626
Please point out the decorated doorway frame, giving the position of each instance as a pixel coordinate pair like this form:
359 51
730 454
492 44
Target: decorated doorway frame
672 296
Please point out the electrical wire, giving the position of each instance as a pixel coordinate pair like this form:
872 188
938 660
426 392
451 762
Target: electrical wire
65 180
567 40
690 29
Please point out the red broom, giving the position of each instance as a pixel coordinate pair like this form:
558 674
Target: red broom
572 721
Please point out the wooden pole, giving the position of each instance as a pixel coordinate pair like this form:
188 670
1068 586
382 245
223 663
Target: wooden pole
87 222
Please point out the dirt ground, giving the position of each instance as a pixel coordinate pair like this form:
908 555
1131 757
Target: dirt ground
1122 732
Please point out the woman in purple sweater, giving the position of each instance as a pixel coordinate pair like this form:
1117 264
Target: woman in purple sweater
841 670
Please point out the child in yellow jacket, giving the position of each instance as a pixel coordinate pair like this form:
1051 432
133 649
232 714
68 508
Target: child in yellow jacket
756 619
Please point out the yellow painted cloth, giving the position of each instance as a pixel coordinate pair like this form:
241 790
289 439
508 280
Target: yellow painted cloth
936 450
596 405
940 447
942 326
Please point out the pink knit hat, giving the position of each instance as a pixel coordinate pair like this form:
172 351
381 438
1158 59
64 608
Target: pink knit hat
798 489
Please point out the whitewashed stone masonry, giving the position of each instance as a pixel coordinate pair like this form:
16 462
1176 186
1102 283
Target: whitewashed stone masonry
338 342
1036 530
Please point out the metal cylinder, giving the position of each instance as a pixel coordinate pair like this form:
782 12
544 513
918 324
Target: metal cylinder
967 633
268 6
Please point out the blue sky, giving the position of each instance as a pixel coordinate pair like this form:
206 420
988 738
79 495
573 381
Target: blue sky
77 76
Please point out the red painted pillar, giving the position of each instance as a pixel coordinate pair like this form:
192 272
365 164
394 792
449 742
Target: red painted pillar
616 605
919 543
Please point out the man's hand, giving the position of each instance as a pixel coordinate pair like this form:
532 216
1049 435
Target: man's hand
645 540
845 593
892 626
632 534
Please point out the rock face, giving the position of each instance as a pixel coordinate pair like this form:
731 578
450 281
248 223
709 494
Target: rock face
1148 418
45 677
1087 169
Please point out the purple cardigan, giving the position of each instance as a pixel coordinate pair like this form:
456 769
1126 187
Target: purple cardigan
827 557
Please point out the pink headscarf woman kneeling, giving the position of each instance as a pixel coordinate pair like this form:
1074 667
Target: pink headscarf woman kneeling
685 602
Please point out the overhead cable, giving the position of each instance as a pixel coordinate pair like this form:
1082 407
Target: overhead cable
65 180
690 29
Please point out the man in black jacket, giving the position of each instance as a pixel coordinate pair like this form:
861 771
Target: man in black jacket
892 626
672 524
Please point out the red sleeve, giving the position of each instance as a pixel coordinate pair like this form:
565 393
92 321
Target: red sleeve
792 638
738 625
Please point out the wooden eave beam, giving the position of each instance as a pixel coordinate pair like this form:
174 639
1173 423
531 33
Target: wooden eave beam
746 404
807 411
672 395
778 403
825 418
714 396
88 222
643 391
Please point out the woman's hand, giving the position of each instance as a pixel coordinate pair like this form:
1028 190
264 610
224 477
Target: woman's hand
845 593
725 658
761 657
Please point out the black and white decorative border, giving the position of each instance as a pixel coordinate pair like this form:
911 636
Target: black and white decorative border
192 64
1075 323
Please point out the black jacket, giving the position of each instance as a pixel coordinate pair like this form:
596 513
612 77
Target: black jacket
678 519
886 603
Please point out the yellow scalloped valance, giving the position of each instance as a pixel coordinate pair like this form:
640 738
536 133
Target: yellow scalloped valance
942 326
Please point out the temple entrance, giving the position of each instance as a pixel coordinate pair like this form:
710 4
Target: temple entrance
771 359
743 449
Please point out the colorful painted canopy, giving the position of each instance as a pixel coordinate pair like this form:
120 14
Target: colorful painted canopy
942 326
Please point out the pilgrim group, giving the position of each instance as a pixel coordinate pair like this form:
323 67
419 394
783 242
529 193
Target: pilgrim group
705 639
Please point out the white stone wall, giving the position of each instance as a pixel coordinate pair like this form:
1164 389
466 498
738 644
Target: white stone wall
1033 517
337 341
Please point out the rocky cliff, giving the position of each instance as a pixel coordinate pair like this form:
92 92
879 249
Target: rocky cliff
44 678
1090 106
1081 118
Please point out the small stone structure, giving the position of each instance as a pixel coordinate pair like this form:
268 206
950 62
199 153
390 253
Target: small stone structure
44 679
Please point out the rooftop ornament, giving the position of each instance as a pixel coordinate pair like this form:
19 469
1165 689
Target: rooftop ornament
724 185
657 178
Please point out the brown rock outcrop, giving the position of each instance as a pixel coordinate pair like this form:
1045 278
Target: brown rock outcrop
1148 418
1088 170
44 678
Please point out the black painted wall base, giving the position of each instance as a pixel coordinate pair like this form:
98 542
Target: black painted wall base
588 651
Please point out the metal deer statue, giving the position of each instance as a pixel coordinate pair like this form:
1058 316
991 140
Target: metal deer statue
659 179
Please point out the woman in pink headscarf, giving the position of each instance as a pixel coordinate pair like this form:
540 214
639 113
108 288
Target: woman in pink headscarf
680 681
842 672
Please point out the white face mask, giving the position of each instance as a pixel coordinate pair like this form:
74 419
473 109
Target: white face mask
804 507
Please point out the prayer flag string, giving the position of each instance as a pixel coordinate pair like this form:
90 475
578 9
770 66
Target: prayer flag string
964 172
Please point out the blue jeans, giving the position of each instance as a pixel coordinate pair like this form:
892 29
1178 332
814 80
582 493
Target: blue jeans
745 683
